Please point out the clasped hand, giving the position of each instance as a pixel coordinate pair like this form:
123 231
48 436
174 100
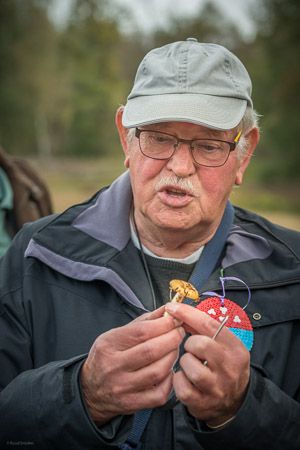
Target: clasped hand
130 368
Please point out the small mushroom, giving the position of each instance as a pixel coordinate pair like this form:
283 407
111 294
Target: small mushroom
183 289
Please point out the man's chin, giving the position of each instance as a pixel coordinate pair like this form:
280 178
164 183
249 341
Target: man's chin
174 222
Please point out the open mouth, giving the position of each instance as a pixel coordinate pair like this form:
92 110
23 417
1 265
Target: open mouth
175 197
175 193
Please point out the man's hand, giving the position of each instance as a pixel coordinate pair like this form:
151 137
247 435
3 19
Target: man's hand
213 392
130 368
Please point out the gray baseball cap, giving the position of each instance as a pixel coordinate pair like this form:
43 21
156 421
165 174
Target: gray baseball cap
189 81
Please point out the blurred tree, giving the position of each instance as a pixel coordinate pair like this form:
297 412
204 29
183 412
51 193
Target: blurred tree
275 69
28 87
59 89
90 55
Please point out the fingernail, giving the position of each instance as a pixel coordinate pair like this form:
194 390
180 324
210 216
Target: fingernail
172 307
177 322
181 331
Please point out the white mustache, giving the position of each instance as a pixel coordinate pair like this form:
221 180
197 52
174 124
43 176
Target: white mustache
177 183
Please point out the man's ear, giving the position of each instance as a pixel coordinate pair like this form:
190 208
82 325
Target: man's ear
123 133
252 137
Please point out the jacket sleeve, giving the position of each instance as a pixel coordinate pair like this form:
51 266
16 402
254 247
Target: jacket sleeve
41 406
268 419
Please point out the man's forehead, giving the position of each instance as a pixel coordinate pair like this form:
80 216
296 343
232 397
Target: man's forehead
171 127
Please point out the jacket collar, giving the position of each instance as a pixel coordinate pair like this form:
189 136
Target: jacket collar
107 220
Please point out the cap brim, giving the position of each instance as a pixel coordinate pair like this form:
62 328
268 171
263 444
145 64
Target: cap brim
223 113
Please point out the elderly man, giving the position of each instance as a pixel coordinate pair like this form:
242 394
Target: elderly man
92 353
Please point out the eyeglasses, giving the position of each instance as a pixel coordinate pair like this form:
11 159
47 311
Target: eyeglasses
205 152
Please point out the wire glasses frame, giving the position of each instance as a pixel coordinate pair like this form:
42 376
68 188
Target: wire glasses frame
154 143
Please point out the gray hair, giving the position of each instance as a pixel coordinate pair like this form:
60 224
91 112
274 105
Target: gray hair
249 120
130 135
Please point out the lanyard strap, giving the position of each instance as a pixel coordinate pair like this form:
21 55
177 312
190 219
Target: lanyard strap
203 270
140 421
213 249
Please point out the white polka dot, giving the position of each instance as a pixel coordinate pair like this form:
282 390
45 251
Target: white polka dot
237 319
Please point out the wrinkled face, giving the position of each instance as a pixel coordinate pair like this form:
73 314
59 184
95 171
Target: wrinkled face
178 193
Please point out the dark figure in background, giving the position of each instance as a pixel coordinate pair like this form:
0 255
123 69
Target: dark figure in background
24 197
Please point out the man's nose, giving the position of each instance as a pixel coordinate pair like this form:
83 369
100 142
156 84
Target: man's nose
182 163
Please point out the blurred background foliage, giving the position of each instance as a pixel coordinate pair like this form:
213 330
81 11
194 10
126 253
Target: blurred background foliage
60 85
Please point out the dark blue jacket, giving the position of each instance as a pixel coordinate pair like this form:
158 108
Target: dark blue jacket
68 278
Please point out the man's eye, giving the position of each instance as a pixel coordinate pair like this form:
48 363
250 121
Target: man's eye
161 139
206 146
210 147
